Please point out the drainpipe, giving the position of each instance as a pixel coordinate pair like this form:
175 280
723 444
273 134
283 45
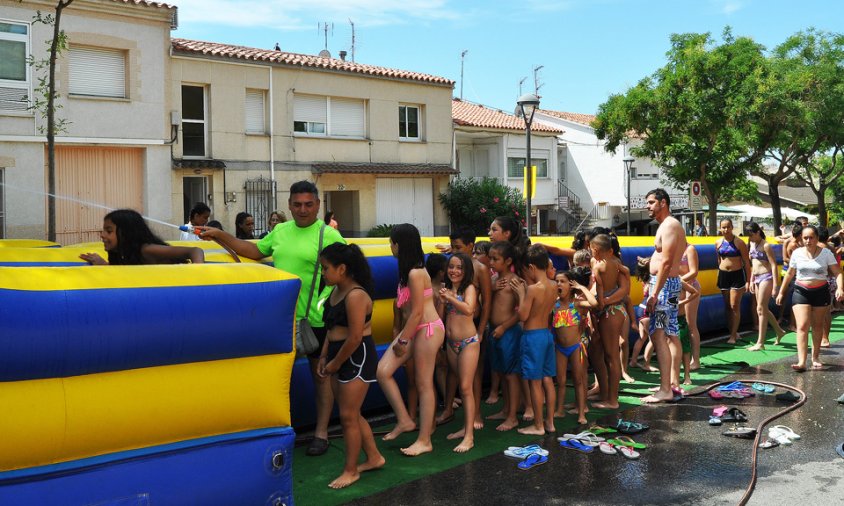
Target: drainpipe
272 140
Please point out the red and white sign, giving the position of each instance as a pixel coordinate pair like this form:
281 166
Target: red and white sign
695 198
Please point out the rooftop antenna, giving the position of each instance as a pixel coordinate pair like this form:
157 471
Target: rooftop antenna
521 82
353 39
536 84
324 27
462 57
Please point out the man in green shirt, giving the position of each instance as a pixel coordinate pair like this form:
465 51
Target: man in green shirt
294 246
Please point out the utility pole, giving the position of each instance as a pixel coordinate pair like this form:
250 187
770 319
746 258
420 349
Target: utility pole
462 58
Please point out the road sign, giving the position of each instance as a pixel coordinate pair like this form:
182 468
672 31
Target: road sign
695 197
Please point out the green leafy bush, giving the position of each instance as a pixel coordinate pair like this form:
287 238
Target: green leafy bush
476 202
380 231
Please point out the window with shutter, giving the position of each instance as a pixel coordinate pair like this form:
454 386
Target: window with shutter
347 118
310 114
255 112
97 72
14 69
329 116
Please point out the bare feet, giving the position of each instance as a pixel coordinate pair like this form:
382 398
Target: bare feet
581 420
528 415
491 400
501 415
417 448
464 446
825 343
574 410
756 347
344 480
398 430
628 378
605 405
816 365
456 435
687 381
694 366
799 367
732 340
371 464
478 424
653 389
658 397
508 424
532 430
446 416
550 428
560 414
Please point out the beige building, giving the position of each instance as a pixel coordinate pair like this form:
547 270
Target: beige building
377 141
113 150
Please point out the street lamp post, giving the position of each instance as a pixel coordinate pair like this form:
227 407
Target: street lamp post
628 165
528 104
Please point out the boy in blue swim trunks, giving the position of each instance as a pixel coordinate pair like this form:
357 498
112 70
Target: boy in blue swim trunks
506 332
538 363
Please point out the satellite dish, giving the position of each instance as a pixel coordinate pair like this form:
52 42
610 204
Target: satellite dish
325 54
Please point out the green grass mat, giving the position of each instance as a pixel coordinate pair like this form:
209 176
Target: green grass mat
311 475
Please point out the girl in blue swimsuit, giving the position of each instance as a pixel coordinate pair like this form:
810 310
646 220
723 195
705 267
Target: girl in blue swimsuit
459 305
569 325
733 274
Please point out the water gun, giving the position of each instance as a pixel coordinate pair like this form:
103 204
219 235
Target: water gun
190 229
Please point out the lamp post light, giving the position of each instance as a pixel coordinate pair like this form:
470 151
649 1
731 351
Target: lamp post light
528 104
628 165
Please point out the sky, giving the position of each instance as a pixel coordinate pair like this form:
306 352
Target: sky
588 49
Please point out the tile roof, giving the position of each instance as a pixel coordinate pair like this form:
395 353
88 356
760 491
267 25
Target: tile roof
383 168
475 115
302 60
585 119
146 3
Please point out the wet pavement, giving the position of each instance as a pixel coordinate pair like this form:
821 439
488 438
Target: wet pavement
687 461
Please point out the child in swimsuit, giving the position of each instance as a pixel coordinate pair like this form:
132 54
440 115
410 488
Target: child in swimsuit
459 303
349 355
567 321
643 266
506 332
608 269
421 336
435 264
538 367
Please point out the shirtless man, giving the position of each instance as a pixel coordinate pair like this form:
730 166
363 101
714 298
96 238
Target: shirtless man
664 291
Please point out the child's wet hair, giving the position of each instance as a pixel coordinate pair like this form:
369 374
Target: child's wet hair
580 274
482 247
132 233
582 257
602 242
537 255
468 273
505 249
436 264
643 269
357 267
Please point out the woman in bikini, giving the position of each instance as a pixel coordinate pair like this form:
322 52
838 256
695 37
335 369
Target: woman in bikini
764 282
420 338
569 326
459 306
733 274
349 354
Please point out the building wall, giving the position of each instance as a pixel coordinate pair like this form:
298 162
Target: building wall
140 120
247 156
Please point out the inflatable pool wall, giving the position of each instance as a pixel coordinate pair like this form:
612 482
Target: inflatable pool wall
146 385
384 269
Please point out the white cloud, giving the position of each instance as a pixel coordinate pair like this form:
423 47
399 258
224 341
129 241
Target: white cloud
304 14
729 6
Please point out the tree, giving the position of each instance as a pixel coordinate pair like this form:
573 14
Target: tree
820 173
804 115
476 202
45 102
694 114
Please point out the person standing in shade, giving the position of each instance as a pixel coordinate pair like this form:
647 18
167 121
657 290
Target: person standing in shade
276 217
700 230
244 225
294 246
198 217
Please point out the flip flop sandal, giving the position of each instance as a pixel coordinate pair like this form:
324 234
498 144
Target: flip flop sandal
840 449
779 437
840 399
532 460
607 448
627 441
741 432
787 431
734 415
574 444
628 452
758 386
769 389
788 396
735 385
598 430
715 394
628 427
719 410
585 435
523 452
590 440
714 421
768 443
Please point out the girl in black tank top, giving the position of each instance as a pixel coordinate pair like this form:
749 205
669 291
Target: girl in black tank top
349 355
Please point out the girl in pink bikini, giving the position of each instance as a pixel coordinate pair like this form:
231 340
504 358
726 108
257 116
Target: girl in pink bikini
420 338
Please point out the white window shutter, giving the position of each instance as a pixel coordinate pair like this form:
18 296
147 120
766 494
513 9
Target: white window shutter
255 112
310 108
97 72
347 117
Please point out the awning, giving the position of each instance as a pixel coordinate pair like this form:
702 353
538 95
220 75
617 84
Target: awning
722 209
385 168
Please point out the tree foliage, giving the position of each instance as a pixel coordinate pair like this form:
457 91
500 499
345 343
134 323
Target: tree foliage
476 202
